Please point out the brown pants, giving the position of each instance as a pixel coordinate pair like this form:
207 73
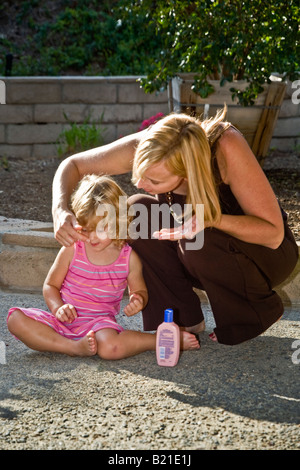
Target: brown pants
237 277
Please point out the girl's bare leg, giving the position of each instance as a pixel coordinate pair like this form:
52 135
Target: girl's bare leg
41 337
114 345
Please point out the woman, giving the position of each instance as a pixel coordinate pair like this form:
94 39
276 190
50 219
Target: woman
248 247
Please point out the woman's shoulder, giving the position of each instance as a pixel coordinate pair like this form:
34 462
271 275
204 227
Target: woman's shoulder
231 141
232 150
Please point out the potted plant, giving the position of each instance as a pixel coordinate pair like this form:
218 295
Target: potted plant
227 51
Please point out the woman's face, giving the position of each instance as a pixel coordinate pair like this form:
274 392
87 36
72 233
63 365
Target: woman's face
158 179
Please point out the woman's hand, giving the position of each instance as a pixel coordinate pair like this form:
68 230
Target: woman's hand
66 228
188 230
135 305
66 313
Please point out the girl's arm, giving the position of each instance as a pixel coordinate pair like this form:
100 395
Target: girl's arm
53 283
111 159
138 293
262 223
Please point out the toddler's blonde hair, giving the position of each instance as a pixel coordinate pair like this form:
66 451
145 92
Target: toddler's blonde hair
94 191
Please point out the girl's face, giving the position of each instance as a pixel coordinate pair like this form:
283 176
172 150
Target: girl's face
97 240
158 179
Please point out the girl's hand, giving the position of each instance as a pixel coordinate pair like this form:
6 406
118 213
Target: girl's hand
135 305
189 230
66 313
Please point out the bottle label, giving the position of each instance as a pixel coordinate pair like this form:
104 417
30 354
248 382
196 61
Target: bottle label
162 352
166 344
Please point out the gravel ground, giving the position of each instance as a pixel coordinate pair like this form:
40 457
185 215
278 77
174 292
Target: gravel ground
244 397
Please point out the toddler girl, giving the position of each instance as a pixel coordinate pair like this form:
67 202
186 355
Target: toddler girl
86 283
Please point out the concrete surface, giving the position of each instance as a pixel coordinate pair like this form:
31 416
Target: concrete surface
220 397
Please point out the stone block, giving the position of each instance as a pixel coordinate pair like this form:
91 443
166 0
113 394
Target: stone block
2 134
41 151
289 127
55 113
152 109
283 144
25 269
288 109
117 113
33 92
89 92
133 93
16 151
126 129
109 133
30 238
15 114
33 133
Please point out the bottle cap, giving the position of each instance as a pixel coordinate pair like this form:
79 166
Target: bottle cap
168 315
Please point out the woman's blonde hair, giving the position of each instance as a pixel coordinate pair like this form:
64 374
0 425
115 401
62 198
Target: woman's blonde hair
184 144
94 191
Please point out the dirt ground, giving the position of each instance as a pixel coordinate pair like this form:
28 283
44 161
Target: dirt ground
26 187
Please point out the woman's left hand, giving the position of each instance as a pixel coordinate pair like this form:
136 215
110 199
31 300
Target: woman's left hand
188 230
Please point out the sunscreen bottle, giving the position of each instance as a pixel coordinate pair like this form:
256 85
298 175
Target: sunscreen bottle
167 341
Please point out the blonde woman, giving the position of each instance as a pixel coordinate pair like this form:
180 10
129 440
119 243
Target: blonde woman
248 248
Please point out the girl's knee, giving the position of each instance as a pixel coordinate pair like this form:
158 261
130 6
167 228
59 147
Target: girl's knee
14 319
109 350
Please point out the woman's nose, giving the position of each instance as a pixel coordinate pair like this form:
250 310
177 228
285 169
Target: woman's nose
140 183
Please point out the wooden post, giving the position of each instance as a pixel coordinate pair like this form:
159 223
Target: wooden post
268 120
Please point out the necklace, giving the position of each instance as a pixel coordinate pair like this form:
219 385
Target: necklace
169 198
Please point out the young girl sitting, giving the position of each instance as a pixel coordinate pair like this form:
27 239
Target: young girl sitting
86 283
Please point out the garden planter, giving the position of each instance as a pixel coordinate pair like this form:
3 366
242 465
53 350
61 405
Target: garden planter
256 122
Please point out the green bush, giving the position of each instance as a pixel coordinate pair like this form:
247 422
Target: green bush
79 137
224 40
78 37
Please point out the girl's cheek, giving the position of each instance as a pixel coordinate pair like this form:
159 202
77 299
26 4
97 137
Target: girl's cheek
102 235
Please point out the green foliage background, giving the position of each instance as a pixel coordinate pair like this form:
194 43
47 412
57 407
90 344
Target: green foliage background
220 39
88 37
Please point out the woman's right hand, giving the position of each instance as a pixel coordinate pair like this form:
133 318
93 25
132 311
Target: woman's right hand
66 228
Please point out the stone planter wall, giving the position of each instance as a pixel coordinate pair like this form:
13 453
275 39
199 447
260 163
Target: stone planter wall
33 116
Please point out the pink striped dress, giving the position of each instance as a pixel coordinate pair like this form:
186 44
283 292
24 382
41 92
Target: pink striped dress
95 291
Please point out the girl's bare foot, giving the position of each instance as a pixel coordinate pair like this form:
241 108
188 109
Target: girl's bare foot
86 346
188 341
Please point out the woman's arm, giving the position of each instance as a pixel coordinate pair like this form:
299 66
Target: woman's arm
112 159
138 293
262 223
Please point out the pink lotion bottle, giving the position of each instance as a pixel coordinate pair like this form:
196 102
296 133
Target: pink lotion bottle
167 341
